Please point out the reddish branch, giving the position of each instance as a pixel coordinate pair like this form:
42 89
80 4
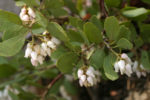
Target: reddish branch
50 85
103 9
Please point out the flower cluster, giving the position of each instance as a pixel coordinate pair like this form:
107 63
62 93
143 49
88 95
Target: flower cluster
27 14
38 52
124 65
139 69
88 76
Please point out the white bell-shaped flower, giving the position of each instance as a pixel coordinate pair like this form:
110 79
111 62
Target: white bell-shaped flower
80 73
34 55
51 44
34 62
28 52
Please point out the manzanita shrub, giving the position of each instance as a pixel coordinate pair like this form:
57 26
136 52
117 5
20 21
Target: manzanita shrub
54 47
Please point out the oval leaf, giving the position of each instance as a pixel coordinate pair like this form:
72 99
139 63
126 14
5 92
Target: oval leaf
108 68
57 31
66 62
124 43
111 26
92 33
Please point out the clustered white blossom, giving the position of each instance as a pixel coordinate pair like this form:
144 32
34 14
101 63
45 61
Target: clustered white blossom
27 14
88 76
126 66
38 52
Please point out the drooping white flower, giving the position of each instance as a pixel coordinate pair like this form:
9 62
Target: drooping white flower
121 65
80 73
25 18
28 52
128 70
34 55
34 62
88 76
55 40
44 46
116 66
51 44
139 69
31 12
83 78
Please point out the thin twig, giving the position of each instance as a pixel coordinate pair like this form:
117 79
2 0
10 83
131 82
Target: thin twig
50 85
103 9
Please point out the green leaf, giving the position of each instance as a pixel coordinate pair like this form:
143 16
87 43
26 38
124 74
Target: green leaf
145 60
58 52
76 22
92 32
53 4
12 46
134 12
57 31
71 5
97 58
58 12
66 62
8 17
37 29
6 70
70 88
97 22
124 43
3 60
146 1
108 67
20 3
31 2
124 33
111 26
113 3
13 31
75 36
41 19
